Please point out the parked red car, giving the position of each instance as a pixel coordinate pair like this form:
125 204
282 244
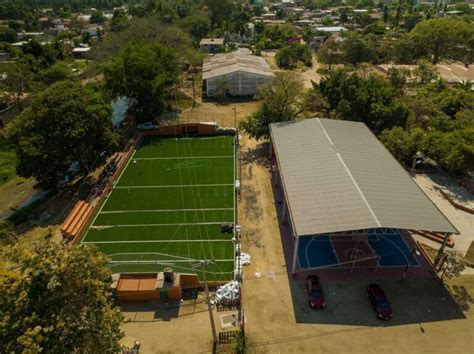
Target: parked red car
379 302
315 292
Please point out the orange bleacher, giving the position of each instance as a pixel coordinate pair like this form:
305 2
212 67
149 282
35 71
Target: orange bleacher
76 220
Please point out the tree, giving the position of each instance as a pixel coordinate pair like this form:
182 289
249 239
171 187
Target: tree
144 73
282 102
8 35
222 88
17 82
355 49
219 11
58 72
403 144
372 100
198 26
398 77
452 150
330 52
7 233
66 123
286 57
97 17
444 38
55 298
453 265
425 72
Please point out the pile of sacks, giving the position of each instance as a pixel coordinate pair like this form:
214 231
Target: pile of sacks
244 259
229 291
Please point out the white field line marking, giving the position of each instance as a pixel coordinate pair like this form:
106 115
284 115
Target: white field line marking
168 261
177 186
145 225
162 210
115 183
181 157
153 241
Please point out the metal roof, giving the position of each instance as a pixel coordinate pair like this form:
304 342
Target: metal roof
223 64
337 176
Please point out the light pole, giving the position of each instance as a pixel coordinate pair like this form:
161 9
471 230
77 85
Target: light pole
412 256
201 265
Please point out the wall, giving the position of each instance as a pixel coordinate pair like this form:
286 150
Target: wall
238 83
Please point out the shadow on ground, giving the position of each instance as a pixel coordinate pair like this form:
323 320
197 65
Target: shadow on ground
450 184
415 301
258 155
150 311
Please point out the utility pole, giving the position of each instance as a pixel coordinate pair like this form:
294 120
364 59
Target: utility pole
201 265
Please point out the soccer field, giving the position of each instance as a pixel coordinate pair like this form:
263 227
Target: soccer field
167 207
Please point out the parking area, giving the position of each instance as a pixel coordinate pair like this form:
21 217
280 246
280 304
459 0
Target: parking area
278 318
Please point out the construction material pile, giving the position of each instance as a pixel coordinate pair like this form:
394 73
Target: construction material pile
229 291
244 259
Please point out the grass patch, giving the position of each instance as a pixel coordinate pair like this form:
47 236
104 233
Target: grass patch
7 161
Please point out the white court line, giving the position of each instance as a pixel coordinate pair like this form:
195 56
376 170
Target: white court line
153 241
145 225
161 210
177 186
182 157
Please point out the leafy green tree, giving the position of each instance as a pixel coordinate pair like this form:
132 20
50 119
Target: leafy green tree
372 100
219 11
452 150
403 144
119 21
97 17
444 38
282 101
55 298
197 25
425 72
222 88
355 49
330 52
144 73
8 35
17 83
58 72
65 123
286 57
398 77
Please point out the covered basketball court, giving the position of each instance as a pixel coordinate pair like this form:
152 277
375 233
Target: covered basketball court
346 200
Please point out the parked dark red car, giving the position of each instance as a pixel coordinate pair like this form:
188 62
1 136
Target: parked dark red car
379 302
315 292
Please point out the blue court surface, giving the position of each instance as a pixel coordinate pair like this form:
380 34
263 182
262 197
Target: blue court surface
385 248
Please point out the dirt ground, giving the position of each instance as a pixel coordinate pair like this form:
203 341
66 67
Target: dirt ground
462 220
280 321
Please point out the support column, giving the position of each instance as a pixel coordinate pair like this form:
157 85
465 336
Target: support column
283 210
441 250
296 242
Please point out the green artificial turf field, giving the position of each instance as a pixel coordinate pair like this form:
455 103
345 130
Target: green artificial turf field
167 207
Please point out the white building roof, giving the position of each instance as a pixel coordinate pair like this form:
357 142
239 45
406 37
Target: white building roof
222 64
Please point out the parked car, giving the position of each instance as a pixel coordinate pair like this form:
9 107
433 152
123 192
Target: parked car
315 292
379 302
147 126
